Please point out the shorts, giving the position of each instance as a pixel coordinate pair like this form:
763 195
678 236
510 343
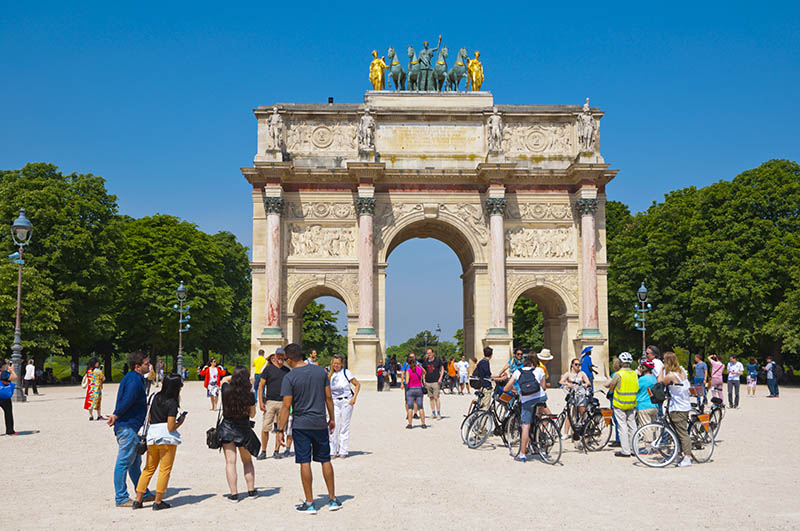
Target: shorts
414 395
463 378
271 415
312 443
529 407
752 381
433 389
579 397
212 390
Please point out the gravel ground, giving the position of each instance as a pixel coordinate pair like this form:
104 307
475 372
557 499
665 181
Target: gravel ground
398 478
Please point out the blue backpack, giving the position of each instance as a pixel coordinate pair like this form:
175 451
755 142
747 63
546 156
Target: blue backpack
6 391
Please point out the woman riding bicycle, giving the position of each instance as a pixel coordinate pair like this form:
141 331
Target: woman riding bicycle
577 383
674 377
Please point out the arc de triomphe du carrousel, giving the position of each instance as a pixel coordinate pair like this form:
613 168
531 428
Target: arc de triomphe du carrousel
516 191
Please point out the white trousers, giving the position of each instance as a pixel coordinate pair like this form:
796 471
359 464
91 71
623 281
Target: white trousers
340 438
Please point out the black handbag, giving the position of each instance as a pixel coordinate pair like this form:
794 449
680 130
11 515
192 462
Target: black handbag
212 437
141 444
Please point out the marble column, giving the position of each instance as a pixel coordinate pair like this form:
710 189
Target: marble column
273 206
496 206
587 209
365 207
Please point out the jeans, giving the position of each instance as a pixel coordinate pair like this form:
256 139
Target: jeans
700 389
257 379
380 382
128 463
772 384
733 393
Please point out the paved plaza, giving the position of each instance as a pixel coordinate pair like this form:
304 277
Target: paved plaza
398 478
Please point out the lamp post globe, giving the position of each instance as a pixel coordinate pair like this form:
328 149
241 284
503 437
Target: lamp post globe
21 232
181 292
642 293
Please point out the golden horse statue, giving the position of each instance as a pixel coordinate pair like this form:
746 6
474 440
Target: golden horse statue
376 72
475 73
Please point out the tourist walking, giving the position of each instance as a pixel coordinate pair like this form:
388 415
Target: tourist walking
715 379
128 417
94 389
393 366
434 372
29 380
700 379
625 386
258 367
615 366
675 378
771 370
159 372
149 378
381 373
452 375
483 372
344 392
646 411
543 358
463 375
162 440
735 371
212 376
529 379
575 380
752 376
270 401
306 391
235 433
587 367
8 380
413 377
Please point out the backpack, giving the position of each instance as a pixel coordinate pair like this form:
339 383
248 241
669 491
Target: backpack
777 370
657 393
528 384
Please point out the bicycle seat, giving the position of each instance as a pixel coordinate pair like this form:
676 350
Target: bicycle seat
717 401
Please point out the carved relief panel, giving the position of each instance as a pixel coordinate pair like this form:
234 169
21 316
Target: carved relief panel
539 139
318 241
305 137
535 243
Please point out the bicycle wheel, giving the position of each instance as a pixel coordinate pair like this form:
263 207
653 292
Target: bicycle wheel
596 433
716 421
479 429
466 423
547 441
702 442
655 445
513 434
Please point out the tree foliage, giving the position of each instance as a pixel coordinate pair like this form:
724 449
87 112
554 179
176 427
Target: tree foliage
425 339
528 325
320 333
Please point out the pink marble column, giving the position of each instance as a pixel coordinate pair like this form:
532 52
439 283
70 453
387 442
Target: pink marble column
365 206
497 264
587 209
273 206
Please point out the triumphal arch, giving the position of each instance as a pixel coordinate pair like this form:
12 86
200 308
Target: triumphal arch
517 192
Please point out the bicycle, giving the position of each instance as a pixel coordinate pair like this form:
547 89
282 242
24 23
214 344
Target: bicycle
656 444
592 427
716 415
474 406
494 420
545 437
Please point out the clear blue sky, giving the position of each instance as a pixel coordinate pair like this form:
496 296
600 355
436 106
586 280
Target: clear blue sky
157 96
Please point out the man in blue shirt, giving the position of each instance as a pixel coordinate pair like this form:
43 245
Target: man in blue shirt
128 418
588 367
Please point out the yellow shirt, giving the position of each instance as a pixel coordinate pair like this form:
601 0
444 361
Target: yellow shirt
258 364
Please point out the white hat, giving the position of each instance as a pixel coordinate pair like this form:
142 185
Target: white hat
545 355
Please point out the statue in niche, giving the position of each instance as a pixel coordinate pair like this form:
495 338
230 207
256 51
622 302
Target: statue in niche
275 130
587 127
495 130
366 132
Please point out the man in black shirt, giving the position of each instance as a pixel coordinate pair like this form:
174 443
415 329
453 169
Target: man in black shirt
434 371
271 379
483 370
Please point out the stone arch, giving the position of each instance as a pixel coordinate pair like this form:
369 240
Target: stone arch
556 295
302 292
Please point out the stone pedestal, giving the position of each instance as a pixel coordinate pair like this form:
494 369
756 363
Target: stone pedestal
273 155
502 345
271 343
365 357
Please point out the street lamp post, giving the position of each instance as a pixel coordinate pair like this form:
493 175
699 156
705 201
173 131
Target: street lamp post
182 320
438 333
642 307
21 231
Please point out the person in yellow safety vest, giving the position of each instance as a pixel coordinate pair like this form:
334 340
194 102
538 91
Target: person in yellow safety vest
625 386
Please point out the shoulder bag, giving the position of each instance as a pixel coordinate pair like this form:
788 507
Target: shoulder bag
212 436
141 444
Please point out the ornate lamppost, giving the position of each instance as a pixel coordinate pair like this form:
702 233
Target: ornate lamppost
642 308
21 231
182 320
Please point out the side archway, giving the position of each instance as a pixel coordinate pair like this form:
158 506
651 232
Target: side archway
306 291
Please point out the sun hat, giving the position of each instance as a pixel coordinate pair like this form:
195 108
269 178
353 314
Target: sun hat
545 355
586 350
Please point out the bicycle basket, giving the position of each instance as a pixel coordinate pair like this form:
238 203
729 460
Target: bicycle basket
693 391
704 419
506 398
607 415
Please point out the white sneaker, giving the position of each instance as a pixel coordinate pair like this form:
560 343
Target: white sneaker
686 461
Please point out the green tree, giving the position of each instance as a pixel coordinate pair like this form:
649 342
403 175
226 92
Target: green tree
320 333
528 325
459 337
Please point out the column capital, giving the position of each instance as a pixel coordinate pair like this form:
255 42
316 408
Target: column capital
365 205
496 205
586 207
273 205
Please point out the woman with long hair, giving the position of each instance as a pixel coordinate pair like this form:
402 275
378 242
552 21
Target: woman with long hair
577 381
94 389
677 381
162 440
235 431
344 391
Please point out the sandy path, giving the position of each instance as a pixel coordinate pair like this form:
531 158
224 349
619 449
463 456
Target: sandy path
67 467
